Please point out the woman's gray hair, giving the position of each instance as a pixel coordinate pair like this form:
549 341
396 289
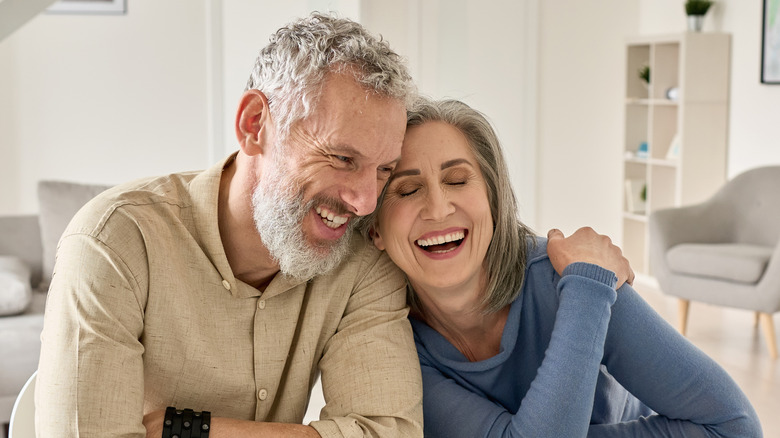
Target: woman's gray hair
505 260
291 69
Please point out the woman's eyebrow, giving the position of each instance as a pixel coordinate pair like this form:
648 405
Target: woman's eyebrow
402 173
454 162
444 165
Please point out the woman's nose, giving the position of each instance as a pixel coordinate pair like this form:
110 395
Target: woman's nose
437 205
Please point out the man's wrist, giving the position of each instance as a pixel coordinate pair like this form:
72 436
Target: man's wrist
186 423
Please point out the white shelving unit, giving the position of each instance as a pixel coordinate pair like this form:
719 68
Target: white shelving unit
696 65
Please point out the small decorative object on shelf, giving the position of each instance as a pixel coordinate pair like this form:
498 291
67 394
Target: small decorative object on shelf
643 151
673 153
636 196
696 10
644 74
673 93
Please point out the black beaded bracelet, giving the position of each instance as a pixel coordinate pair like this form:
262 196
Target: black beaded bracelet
186 423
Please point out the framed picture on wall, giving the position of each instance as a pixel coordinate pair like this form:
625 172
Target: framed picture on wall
770 50
88 7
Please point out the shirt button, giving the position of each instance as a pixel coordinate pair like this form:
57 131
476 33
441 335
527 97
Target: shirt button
262 394
261 304
226 284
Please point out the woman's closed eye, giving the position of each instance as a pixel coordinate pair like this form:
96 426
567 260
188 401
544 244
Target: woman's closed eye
407 191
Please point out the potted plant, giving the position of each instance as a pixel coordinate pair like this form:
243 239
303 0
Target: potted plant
644 74
696 10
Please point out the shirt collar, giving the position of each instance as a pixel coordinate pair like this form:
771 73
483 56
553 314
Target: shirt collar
205 200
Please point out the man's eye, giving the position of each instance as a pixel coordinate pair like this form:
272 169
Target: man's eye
342 158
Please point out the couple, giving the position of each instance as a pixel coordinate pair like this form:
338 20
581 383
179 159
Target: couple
205 304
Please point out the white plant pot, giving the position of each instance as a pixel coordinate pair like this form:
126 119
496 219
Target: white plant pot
695 22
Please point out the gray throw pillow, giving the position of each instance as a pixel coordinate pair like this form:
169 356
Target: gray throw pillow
58 202
15 289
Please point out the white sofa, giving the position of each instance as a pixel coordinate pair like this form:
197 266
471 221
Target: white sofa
27 247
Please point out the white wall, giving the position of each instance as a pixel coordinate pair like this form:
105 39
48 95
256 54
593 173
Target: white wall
754 139
246 27
581 62
581 59
102 98
111 98
481 52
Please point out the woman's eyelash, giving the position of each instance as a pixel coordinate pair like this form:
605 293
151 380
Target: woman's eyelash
405 193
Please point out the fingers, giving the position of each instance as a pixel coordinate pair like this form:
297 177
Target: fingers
588 246
554 234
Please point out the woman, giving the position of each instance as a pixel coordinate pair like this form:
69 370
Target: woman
522 336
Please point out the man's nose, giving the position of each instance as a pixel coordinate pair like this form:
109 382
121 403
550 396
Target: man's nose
361 191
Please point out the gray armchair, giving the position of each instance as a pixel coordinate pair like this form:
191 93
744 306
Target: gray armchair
724 251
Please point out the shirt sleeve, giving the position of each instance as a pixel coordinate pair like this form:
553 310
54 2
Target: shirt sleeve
693 396
90 376
560 399
370 371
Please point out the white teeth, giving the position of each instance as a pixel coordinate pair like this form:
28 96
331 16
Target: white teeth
451 237
330 219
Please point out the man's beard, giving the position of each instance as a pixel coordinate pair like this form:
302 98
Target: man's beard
279 210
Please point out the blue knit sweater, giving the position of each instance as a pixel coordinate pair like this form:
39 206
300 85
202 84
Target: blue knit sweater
579 359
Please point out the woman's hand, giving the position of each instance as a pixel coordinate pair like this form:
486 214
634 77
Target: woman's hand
153 421
587 246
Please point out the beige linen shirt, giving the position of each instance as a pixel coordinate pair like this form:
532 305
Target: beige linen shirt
144 312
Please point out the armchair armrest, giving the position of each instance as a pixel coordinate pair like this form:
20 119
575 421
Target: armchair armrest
698 223
20 236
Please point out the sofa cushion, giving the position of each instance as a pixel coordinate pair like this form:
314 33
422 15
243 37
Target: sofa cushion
732 262
58 202
15 289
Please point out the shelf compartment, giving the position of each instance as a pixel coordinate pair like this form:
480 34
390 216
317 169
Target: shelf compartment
664 69
663 191
664 130
638 56
636 127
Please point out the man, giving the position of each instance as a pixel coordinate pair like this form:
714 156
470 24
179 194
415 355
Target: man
227 290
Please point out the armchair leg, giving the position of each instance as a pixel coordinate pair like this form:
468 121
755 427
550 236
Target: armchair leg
682 321
758 317
769 333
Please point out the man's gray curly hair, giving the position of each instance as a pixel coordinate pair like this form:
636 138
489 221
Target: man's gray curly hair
291 69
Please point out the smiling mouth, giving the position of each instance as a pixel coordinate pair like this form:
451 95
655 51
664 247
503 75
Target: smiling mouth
330 218
442 244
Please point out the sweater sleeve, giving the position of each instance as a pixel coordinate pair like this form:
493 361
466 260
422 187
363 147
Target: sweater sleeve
560 399
693 396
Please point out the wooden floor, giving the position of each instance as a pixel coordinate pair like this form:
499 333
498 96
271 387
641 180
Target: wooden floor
730 337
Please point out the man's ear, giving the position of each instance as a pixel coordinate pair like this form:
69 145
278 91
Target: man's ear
376 238
253 122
